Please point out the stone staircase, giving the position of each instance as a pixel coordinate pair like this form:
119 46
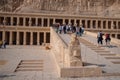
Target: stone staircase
112 57
30 65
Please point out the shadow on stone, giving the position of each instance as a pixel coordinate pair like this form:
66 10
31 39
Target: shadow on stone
3 76
88 64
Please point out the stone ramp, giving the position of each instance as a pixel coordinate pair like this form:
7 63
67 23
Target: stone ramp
107 54
109 57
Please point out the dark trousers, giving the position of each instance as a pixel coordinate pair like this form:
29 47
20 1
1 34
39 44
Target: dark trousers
100 40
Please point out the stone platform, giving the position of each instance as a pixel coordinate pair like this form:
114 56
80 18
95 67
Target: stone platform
85 71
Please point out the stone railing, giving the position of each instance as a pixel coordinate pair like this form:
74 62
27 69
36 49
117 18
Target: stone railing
59 49
60 52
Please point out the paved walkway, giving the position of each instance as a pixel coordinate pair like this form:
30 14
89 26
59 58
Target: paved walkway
14 54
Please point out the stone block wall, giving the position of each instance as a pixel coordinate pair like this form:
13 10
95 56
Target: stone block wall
75 72
59 49
62 58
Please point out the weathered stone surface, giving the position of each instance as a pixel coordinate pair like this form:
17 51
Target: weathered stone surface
76 7
75 51
87 71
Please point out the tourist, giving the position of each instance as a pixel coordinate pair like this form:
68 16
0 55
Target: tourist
1 43
82 30
67 28
60 29
77 30
73 29
4 44
100 38
70 27
64 29
57 27
107 39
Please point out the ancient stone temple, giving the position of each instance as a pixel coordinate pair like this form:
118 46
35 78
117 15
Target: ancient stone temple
36 22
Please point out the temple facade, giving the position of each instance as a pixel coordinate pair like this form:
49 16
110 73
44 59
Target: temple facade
34 29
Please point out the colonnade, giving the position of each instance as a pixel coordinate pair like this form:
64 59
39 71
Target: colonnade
35 28
47 21
25 38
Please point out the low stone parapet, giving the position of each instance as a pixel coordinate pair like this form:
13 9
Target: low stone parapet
85 71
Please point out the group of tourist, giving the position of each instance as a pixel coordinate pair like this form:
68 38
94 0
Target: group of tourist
63 28
100 38
79 30
3 44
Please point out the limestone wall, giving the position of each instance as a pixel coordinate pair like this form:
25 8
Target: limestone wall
61 55
59 50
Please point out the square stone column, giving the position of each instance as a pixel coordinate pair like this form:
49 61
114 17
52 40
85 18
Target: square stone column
4 31
86 24
80 23
38 38
31 38
24 39
64 21
48 22
101 24
106 24
69 22
96 22
3 36
54 21
24 21
42 22
75 23
18 21
11 21
17 38
10 42
116 35
30 22
44 37
117 25
91 24
36 21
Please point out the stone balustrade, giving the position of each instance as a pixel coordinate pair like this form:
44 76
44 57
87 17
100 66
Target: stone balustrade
62 57
59 48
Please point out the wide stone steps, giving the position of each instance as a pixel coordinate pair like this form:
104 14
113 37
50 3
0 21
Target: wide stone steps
111 74
29 69
30 65
112 57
